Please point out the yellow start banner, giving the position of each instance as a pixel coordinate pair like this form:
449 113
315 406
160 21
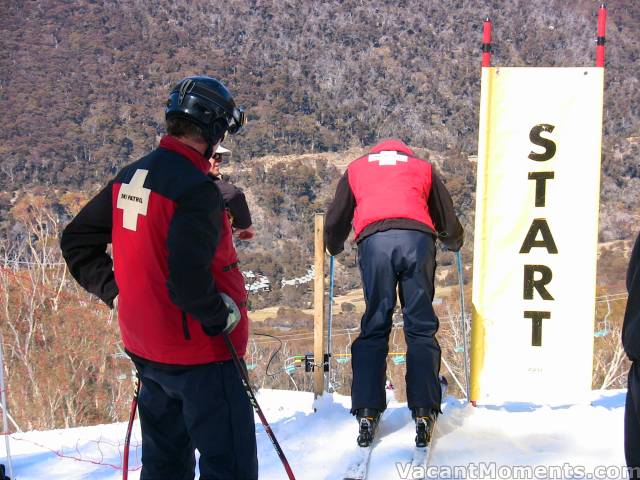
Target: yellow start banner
536 234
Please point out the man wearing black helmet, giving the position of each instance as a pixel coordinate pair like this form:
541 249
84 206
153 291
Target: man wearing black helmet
173 262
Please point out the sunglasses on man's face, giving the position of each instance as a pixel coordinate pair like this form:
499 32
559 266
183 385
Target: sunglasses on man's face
217 157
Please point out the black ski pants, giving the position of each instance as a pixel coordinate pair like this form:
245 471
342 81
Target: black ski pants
391 259
203 407
632 422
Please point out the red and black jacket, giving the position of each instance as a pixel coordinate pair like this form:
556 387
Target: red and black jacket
391 188
235 202
172 255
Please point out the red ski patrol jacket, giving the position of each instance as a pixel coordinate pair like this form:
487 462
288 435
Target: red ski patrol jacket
390 182
391 188
172 254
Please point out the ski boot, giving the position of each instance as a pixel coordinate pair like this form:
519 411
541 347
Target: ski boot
425 421
368 420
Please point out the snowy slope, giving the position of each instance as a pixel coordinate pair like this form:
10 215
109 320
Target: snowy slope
486 442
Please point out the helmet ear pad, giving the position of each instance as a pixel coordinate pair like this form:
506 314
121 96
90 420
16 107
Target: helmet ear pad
217 130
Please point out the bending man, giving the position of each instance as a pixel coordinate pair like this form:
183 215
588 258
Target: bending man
398 207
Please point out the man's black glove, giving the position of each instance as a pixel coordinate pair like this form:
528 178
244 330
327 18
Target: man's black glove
335 252
227 324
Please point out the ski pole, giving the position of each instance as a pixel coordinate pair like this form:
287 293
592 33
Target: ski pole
3 401
256 406
329 344
464 322
127 440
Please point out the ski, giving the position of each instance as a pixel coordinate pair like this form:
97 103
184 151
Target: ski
419 462
359 464
422 455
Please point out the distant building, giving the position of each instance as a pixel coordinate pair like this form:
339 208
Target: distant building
256 282
311 273
260 282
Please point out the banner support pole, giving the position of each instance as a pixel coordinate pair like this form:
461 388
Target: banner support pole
486 42
600 39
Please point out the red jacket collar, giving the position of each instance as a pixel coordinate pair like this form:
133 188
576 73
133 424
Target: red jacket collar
172 143
393 145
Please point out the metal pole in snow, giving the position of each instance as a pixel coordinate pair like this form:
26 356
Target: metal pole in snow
329 342
464 322
3 399
254 403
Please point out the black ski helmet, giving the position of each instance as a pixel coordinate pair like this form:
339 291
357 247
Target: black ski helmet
206 102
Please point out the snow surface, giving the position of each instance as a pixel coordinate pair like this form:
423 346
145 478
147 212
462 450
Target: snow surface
487 442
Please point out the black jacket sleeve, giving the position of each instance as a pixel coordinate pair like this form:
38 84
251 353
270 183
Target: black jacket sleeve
236 202
194 233
339 217
631 325
84 247
444 217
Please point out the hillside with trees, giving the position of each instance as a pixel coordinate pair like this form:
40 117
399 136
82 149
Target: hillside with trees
82 89
83 83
